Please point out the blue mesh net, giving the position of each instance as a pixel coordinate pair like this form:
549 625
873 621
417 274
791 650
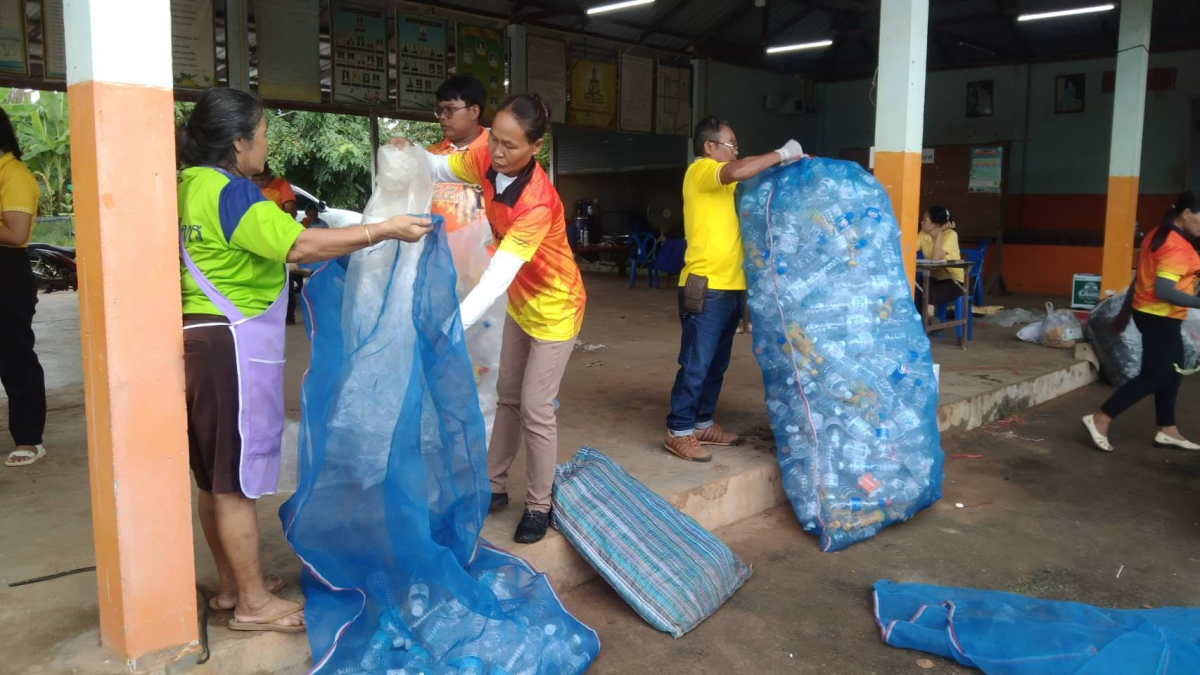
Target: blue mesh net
393 487
1007 634
846 364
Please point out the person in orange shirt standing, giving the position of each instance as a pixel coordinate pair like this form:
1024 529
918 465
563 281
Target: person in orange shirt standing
1162 291
546 299
278 190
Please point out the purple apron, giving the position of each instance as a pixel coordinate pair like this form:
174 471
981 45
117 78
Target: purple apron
258 343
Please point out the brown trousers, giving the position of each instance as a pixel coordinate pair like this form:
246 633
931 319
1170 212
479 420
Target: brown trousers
530 373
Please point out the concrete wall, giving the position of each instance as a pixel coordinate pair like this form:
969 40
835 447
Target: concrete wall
1067 153
736 93
1058 163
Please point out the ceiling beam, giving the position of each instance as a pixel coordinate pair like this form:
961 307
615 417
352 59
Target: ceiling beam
664 18
735 9
792 23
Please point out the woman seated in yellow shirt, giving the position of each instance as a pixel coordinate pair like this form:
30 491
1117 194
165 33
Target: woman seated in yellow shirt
938 241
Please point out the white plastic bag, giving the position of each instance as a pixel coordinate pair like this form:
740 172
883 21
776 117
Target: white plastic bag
1061 329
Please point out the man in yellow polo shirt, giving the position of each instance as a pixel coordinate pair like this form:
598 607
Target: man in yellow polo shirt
713 263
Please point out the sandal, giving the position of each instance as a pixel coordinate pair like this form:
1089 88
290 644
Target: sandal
277 583
268 624
25 457
1098 439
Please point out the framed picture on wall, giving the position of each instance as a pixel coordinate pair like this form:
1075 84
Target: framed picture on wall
1069 93
979 98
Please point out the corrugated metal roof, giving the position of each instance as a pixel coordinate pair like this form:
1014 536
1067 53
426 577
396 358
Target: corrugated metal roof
732 29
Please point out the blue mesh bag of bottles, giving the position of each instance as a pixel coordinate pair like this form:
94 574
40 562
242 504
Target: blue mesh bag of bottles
846 364
393 487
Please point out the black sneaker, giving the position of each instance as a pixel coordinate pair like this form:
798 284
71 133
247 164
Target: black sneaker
532 528
499 501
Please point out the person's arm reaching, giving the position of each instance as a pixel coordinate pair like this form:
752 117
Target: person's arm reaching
1166 291
317 244
744 169
494 283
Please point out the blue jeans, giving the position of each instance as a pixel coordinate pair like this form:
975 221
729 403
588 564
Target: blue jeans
704 355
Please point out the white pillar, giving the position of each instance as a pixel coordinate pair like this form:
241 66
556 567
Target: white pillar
900 117
1124 166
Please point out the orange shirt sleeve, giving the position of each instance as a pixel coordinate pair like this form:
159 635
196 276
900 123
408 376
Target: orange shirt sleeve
528 231
1175 260
472 164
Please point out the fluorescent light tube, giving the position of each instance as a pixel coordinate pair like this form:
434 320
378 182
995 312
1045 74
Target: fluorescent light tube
1065 12
612 7
799 47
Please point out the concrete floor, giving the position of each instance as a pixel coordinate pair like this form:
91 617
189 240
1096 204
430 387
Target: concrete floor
615 398
1047 516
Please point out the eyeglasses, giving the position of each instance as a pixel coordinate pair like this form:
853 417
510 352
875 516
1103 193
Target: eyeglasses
731 146
446 112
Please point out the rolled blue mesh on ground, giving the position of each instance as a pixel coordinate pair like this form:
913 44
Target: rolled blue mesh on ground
672 571
393 488
846 365
1006 634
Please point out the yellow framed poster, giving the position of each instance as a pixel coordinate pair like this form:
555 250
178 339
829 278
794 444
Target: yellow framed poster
593 94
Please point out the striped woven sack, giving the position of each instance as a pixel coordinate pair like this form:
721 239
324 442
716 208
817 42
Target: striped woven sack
672 571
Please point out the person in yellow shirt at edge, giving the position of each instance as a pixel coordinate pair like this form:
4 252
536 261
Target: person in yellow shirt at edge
713 270
20 371
938 241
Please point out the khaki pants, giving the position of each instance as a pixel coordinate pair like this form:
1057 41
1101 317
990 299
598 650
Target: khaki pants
530 373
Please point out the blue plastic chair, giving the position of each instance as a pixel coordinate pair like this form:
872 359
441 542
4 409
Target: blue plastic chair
643 249
976 257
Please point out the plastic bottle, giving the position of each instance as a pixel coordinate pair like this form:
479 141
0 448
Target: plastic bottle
377 647
418 600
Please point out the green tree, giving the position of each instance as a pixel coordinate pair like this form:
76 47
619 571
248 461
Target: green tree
43 129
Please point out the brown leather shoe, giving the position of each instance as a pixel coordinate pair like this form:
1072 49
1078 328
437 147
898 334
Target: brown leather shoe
686 447
715 435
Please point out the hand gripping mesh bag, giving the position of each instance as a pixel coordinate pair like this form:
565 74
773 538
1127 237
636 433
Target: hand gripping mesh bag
846 365
393 484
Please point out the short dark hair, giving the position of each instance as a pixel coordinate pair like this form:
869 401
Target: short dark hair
312 207
940 215
463 88
8 137
709 129
529 110
222 116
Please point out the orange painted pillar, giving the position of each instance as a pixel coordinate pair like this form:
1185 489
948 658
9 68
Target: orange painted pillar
900 116
123 162
1129 108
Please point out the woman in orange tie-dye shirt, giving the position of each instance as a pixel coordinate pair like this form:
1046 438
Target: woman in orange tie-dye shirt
535 265
1162 291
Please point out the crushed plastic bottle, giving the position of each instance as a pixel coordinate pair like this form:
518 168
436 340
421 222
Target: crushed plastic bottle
846 365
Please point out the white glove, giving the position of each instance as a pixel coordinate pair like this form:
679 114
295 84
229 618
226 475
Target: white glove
790 152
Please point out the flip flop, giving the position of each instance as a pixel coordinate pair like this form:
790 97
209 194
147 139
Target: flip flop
1098 439
24 457
275 586
268 624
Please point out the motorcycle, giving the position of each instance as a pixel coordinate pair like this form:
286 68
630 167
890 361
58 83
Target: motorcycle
53 267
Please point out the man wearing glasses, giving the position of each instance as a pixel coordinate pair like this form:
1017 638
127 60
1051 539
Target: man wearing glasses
712 293
459 109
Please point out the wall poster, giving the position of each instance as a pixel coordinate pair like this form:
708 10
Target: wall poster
546 74
193 44
360 55
987 170
637 94
593 94
674 101
55 36
421 41
289 49
480 54
1069 93
12 37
